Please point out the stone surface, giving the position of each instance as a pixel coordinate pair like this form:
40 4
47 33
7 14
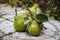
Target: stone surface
7 31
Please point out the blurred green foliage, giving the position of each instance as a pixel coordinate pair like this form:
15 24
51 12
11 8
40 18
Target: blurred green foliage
48 7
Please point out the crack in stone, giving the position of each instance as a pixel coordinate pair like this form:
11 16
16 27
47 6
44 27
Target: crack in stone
6 19
3 17
7 35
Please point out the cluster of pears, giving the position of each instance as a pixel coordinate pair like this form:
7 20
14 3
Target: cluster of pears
28 23
22 25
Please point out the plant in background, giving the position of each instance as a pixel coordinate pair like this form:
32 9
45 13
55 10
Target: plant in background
3 1
52 11
21 3
13 2
48 7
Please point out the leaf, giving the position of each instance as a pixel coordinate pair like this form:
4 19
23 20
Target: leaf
41 18
27 23
38 11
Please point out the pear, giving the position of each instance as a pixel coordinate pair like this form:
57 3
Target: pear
35 9
34 28
19 23
24 14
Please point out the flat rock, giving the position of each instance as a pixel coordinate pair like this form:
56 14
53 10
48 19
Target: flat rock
6 26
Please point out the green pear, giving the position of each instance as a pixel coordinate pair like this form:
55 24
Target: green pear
34 28
24 14
19 23
35 9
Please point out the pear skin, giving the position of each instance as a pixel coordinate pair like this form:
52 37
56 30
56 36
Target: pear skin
19 23
34 29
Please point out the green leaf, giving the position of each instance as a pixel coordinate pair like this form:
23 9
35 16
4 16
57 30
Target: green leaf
41 18
27 23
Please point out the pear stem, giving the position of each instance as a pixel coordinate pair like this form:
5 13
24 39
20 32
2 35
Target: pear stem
15 11
15 8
